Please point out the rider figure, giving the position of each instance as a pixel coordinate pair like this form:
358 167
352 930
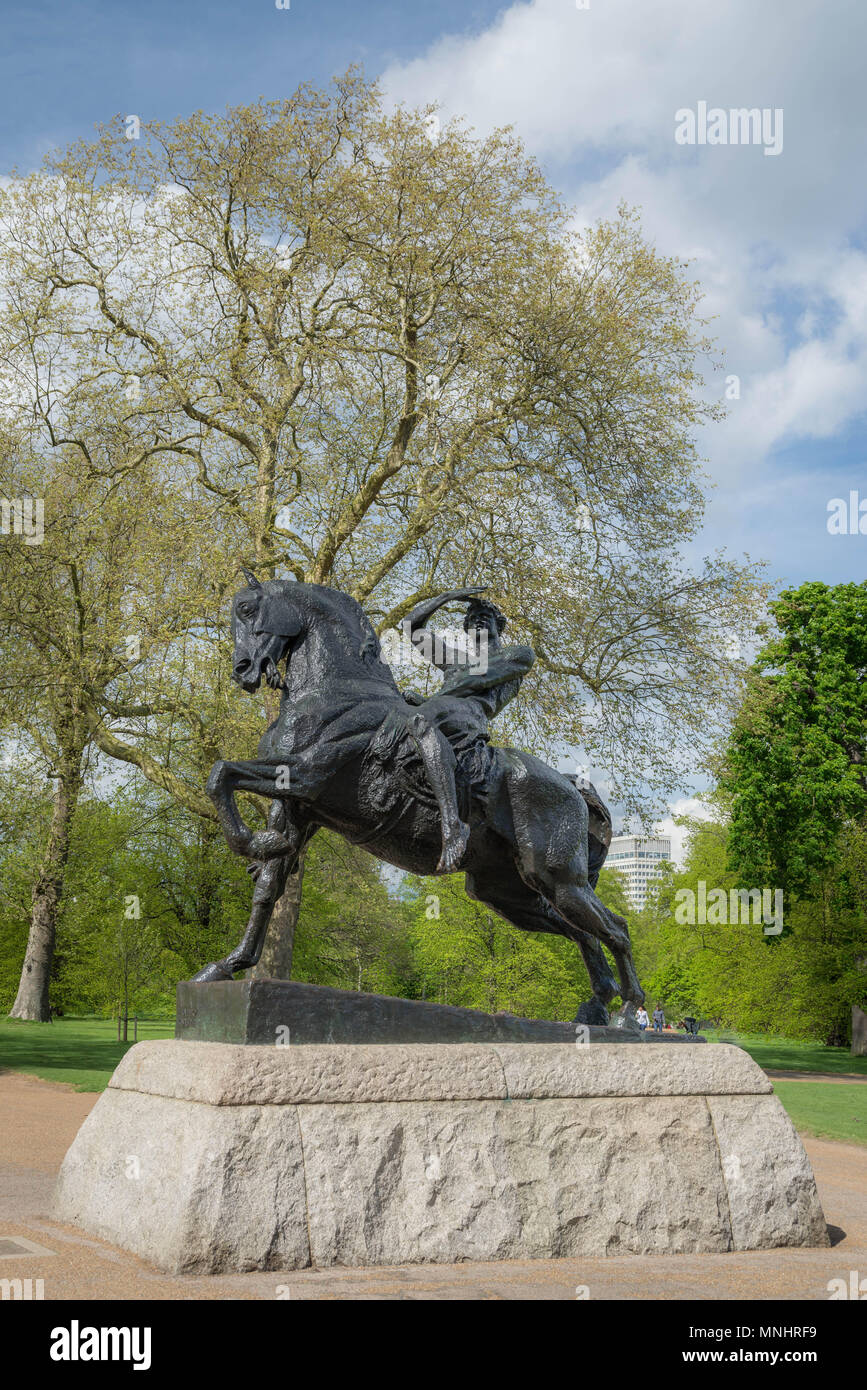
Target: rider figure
452 725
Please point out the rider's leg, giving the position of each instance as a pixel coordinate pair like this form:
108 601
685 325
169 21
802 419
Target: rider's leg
440 763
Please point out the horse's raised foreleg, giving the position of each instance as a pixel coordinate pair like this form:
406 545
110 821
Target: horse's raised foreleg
260 778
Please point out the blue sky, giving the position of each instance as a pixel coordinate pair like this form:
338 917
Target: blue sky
72 63
778 241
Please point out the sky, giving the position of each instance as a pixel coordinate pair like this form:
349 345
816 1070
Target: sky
599 90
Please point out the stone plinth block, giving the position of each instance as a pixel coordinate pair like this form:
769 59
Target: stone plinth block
217 1158
293 1014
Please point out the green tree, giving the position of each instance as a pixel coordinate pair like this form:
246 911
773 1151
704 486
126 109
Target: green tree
795 773
377 361
466 955
78 614
795 766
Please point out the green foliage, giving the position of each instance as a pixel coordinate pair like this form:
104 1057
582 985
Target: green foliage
801 983
466 955
794 773
147 897
795 766
352 931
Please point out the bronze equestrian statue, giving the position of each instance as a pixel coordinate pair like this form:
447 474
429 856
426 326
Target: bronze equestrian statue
414 781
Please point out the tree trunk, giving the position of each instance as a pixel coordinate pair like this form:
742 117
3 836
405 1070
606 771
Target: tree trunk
32 1000
275 962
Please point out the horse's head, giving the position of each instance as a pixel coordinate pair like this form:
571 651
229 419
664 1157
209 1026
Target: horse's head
325 634
264 623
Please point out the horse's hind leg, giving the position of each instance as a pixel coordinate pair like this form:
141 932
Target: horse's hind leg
550 828
568 891
577 902
602 982
506 892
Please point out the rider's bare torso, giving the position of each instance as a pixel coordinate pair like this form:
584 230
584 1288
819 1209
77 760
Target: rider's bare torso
470 697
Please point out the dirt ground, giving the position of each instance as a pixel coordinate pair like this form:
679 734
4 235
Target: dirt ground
38 1120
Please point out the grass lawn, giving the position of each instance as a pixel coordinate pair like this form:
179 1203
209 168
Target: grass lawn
83 1052
787 1054
826 1109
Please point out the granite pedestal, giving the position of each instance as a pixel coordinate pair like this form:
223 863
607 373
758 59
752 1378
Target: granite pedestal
216 1157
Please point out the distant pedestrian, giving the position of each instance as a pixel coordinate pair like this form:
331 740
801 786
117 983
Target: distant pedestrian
658 1019
641 1018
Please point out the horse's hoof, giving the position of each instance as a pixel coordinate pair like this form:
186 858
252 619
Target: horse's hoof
269 844
215 971
592 1012
625 1019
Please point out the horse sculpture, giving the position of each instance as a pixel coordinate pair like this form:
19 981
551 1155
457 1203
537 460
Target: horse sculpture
340 755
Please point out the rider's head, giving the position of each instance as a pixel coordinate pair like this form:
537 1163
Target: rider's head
485 616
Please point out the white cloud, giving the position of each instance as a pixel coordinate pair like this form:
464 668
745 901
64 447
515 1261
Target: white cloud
594 94
678 834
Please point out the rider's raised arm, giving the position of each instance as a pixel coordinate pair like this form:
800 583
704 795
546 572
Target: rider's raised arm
437 651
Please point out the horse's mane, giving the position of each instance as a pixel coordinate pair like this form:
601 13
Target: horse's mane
322 598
